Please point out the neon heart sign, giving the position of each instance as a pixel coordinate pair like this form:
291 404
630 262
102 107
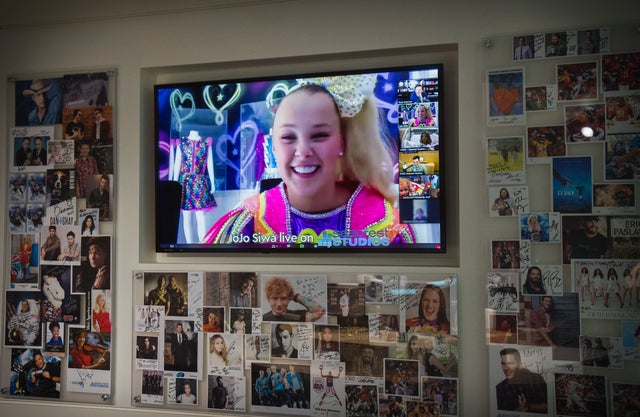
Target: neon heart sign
220 98
177 102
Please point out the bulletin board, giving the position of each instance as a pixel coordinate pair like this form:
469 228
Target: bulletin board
562 146
295 343
57 289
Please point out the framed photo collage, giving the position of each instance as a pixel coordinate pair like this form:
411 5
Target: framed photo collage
563 171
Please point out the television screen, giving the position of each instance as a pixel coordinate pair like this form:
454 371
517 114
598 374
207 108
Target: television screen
329 162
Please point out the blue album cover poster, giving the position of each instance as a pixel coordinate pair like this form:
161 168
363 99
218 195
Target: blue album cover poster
572 184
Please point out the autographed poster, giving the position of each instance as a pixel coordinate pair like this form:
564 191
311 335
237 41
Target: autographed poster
604 288
89 362
623 113
540 227
505 96
541 98
505 160
418 301
267 375
526 366
29 147
227 392
309 301
152 387
630 342
503 290
585 123
614 199
508 201
580 395
617 70
328 388
572 184
577 81
545 142
622 156
24 261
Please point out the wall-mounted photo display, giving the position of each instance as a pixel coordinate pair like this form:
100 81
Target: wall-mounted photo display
257 348
345 299
55 338
59 302
548 315
233 289
361 399
364 345
327 342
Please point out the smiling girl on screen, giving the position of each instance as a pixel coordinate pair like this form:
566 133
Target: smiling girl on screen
337 174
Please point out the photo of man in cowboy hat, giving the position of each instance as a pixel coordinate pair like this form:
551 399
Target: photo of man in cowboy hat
38 102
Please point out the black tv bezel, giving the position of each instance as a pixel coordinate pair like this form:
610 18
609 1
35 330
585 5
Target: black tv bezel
418 248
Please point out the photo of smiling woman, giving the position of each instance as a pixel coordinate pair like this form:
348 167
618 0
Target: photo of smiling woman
433 313
336 173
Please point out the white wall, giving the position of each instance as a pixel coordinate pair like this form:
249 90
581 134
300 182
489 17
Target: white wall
286 29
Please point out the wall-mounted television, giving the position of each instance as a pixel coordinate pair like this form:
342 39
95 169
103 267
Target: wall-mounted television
325 162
